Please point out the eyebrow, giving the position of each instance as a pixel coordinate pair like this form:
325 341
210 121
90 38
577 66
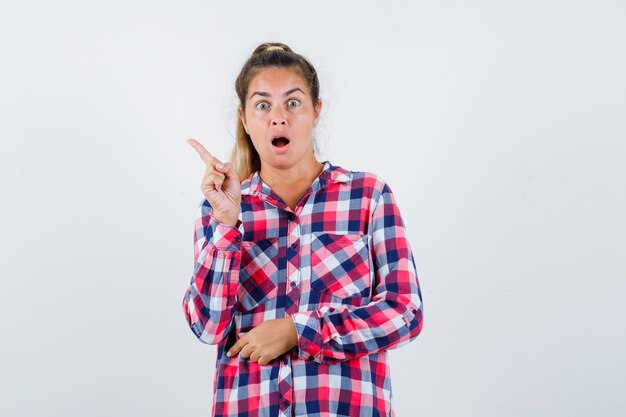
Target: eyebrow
264 94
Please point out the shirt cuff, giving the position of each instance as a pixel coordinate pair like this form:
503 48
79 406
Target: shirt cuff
225 237
310 340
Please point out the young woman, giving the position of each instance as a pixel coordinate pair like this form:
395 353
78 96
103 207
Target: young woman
303 275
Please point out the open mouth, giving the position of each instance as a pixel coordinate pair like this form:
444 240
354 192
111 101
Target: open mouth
280 141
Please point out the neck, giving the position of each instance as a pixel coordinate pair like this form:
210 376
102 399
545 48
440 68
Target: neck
301 173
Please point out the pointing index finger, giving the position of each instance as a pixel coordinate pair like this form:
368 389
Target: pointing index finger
204 154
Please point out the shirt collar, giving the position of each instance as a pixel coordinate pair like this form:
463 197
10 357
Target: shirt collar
254 185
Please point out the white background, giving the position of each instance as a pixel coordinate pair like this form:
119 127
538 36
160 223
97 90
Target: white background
499 125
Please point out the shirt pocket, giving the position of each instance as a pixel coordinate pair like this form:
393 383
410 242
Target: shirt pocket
258 276
340 265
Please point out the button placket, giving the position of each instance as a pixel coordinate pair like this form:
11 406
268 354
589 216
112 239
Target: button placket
285 387
293 263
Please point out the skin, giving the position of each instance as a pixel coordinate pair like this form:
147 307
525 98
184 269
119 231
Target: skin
279 110
284 107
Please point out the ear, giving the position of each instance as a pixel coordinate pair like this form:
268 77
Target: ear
242 117
318 111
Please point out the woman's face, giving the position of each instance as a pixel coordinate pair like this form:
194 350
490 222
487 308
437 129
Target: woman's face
279 105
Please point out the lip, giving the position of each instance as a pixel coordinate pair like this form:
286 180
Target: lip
282 149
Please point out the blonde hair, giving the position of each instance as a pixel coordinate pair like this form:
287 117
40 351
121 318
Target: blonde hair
244 157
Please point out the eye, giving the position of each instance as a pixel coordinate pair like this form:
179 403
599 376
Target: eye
293 103
262 106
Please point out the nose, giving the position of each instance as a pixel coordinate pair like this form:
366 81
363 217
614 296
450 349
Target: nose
278 117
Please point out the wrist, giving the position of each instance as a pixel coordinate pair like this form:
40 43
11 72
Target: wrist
227 221
293 333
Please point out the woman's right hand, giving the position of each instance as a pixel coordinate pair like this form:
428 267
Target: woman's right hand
220 186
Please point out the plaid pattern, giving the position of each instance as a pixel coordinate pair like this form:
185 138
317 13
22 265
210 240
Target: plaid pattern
340 266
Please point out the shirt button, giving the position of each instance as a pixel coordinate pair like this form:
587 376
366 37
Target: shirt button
284 403
294 245
291 216
238 238
293 284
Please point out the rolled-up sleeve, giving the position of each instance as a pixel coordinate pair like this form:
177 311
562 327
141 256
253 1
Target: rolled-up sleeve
210 300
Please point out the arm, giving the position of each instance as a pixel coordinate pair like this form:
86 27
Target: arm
210 300
394 316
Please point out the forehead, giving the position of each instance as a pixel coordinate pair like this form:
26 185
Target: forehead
276 81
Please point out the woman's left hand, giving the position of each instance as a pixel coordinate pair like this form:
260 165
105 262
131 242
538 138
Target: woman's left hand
267 341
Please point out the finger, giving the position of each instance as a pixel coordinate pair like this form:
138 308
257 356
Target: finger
228 171
212 175
206 156
255 356
263 360
246 351
214 179
236 348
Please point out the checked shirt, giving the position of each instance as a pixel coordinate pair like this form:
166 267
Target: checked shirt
339 265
